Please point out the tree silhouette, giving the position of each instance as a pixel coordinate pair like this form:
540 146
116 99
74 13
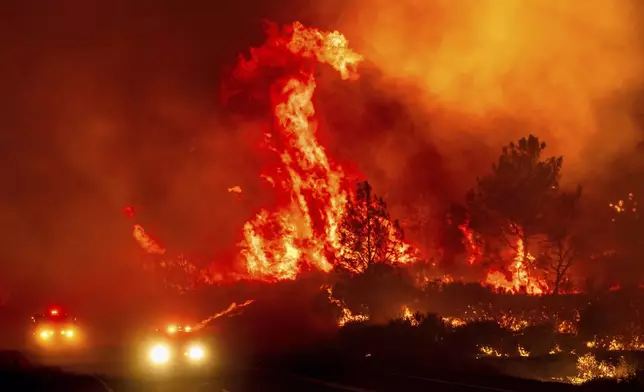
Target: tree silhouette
563 237
509 202
380 289
368 234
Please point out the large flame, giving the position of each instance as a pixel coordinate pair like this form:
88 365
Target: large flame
303 231
303 234
522 278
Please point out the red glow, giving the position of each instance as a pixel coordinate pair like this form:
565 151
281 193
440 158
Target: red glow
129 212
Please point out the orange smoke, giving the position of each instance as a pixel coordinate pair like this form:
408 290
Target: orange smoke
567 69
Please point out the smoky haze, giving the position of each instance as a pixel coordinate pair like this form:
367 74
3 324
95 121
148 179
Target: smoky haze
491 71
107 105
110 104
467 77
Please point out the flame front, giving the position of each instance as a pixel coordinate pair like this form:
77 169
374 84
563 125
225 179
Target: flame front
302 234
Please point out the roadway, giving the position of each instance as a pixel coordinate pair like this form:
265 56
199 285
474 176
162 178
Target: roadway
98 374
262 380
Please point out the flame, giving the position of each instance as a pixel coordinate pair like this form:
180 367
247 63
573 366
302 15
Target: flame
523 352
303 231
303 234
512 322
567 327
491 352
555 350
228 311
589 368
474 251
146 242
617 343
522 279
408 316
346 316
454 322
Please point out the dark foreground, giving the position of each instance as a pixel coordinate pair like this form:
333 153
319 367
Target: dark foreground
112 373
232 380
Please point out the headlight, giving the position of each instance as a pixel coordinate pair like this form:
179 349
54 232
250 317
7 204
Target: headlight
160 354
195 353
46 334
69 333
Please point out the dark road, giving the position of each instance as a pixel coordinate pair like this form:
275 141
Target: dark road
98 374
263 380
114 370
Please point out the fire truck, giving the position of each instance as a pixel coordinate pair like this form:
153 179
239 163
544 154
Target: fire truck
54 329
177 347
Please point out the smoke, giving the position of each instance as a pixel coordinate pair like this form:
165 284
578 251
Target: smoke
474 75
110 105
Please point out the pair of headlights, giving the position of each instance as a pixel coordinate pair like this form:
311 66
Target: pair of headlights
47 334
161 353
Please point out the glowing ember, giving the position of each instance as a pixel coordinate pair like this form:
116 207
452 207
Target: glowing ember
512 322
567 327
490 352
523 352
454 322
589 368
622 206
555 350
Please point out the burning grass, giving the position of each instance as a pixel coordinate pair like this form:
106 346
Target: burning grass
449 326
559 336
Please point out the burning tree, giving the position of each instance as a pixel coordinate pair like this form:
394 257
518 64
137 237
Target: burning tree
368 233
373 247
511 202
